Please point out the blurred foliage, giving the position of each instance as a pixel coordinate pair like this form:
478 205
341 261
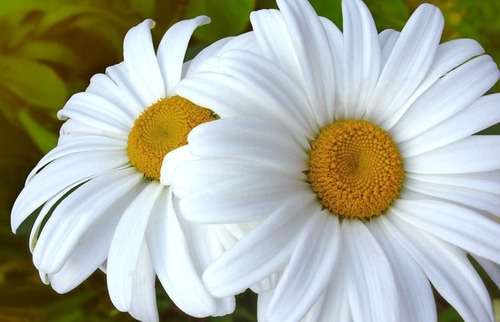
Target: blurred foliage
50 49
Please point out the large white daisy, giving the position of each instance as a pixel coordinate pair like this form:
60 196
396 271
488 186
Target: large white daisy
97 195
354 152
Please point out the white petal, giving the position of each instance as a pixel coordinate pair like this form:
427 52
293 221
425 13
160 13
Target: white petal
448 96
456 225
314 56
173 263
249 139
126 245
103 86
417 301
482 114
196 175
143 305
336 40
480 200
275 41
284 100
263 251
76 216
98 112
491 268
361 58
309 271
478 153
46 209
121 76
370 284
248 198
86 143
448 269
91 250
482 181
172 49
171 161
263 301
141 63
387 39
61 174
449 55
197 64
335 303
260 88
408 63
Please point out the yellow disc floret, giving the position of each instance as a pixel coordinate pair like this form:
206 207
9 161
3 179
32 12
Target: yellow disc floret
355 169
161 128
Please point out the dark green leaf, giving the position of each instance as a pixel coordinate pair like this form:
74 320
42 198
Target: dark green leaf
33 82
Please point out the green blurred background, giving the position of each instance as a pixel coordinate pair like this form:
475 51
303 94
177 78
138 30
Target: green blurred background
50 49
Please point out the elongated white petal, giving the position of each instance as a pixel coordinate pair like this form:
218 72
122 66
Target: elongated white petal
408 63
447 97
482 114
456 225
314 55
75 217
98 112
477 153
60 174
335 302
387 39
275 41
448 269
86 143
491 268
102 85
45 210
480 200
141 63
449 55
248 139
482 181
309 270
248 198
336 40
260 88
172 160
372 293
173 263
82 262
125 249
123 79
361 58
414 290
143 305
284 100
263 251
196 175
172 49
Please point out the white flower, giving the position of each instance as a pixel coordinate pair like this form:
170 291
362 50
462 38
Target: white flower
99 189
355 151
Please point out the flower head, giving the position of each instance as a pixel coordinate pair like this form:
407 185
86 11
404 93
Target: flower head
354 153
98 194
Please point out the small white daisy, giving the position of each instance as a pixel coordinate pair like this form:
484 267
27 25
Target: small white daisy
99 200
355 151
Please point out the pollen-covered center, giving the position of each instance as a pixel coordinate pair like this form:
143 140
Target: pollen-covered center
161 128
355 169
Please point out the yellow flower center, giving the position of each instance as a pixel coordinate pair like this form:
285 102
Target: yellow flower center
355 169
161 128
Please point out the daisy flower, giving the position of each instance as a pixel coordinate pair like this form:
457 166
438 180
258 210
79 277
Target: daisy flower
354 154
97 195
